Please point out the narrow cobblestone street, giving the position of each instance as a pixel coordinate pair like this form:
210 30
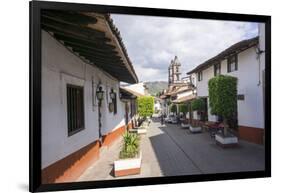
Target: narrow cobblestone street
169 150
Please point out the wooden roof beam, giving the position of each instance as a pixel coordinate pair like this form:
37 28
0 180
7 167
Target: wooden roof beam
106 51
97 44
70 17
104 65
79 31
103 59
91 49
95 53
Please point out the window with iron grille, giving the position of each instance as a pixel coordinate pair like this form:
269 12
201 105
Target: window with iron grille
217 69
75 109
232 63
200 76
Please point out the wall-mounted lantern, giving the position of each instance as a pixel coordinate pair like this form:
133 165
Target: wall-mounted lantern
112 95
113 105
100 93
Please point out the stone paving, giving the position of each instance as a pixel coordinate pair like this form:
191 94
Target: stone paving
169 150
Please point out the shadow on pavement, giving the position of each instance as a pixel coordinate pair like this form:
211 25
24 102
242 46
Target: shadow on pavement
180 152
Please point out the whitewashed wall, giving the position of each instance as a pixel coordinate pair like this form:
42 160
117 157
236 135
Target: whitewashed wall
262 63
262 37
60 66
250 110
157 105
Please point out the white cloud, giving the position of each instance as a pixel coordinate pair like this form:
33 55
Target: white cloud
150 73
152 42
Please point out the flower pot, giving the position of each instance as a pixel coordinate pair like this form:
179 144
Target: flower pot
141 130
138 130
185 125
195 129
130 166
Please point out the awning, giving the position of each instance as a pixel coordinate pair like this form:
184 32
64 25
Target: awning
94 38
132 92
163 96
125 95
184 99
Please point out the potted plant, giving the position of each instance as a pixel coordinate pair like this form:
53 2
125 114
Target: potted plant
129 162
183 108
196 105
173 109
223 102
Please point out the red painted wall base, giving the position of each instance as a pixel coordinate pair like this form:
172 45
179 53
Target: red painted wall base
72 166
251 134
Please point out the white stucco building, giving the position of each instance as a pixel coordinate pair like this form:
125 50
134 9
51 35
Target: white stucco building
244 60
74 67
157 105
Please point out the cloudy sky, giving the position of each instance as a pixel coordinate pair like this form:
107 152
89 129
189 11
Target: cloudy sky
152 42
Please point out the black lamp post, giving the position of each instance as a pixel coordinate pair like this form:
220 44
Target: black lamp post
99 94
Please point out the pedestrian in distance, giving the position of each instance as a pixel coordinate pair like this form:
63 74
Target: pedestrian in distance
162 119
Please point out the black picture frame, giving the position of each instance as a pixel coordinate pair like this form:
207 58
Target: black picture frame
35 184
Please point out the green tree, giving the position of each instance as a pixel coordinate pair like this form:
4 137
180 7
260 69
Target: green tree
145 106
223 97
173 108
183 108
158 94
168 101
197 104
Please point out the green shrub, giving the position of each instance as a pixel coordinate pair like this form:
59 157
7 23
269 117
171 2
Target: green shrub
168 101
223 96
145 106
173 108
130 148
197 104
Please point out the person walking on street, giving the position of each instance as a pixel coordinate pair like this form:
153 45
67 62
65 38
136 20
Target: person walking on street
162 119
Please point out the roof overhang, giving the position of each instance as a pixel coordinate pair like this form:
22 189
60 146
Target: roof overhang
133 92
94 38
163 96
126 95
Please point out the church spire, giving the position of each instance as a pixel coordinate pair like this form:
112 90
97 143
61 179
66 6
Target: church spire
174 71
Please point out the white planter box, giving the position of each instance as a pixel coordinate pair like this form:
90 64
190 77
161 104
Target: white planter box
130 166
133 130
185 125
195 129
226 141
141 131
